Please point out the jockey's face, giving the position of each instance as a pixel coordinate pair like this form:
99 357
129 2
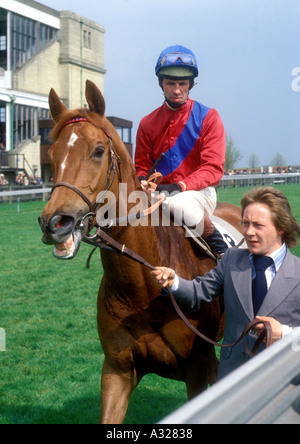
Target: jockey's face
261 235
176 91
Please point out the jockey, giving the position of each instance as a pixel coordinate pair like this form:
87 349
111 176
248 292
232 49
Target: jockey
193 138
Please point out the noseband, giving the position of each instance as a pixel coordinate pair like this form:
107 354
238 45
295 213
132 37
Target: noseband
114 166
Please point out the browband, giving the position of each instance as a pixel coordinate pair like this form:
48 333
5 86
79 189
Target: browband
76 120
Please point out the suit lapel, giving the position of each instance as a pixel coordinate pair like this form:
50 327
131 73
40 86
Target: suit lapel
282 285
241 275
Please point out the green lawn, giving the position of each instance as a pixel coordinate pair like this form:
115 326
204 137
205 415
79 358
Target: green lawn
50 372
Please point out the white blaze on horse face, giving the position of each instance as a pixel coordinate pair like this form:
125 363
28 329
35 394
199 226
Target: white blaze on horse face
72 140
63 165
70 144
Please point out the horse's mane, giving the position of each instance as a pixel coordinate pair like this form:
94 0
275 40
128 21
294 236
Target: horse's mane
93 118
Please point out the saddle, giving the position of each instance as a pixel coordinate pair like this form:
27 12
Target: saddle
231 236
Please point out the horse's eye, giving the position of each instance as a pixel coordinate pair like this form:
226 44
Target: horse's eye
99 151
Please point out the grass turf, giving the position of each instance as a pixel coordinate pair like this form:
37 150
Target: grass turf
50 372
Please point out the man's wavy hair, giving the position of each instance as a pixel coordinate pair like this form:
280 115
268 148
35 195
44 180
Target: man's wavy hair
279 206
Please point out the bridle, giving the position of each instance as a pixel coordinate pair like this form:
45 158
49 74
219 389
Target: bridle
114 167
102 240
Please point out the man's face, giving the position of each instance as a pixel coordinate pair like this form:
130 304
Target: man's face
261 235
176 91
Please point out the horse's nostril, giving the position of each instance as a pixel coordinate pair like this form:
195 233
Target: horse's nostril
61 224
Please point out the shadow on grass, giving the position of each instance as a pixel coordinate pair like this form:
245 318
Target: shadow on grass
156 406
81 411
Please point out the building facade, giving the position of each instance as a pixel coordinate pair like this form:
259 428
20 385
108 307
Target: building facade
41 48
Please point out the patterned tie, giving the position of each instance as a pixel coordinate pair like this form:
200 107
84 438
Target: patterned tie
259 284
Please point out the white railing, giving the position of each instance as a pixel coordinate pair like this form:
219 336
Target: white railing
266 390
15 197
254 180
226 182
25 192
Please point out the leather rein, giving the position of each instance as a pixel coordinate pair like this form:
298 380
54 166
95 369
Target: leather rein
103 241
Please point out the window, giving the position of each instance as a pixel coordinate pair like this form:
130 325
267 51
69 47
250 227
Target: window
44 128
43 113
2 127
3 43
127 135
124 133
28 38
44 133
87 39
23 123
3 39
2 114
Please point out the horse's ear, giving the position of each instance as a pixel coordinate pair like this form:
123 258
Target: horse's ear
56 105
94 98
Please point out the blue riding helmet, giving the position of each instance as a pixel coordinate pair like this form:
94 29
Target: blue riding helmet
177 61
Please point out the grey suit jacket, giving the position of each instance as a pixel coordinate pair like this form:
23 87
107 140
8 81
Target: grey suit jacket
233 276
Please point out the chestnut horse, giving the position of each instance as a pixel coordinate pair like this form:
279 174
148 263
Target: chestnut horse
139 329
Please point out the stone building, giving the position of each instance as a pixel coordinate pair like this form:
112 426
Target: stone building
42 48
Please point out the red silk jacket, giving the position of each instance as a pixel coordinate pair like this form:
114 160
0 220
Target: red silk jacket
193 139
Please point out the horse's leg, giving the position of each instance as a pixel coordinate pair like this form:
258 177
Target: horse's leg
116 389
201 372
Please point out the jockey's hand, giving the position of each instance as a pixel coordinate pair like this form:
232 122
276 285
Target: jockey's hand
275 325
164 277
147 187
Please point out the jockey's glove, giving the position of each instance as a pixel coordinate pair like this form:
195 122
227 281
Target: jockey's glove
169 188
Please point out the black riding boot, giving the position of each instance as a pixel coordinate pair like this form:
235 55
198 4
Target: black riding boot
216 242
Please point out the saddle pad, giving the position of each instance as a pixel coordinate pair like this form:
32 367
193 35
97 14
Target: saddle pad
229 233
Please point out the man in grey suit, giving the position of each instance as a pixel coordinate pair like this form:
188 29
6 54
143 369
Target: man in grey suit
270 292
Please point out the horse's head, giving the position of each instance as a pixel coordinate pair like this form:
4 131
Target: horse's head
83 159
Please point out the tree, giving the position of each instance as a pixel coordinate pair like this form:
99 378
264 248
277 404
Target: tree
233 155
278 160
253 160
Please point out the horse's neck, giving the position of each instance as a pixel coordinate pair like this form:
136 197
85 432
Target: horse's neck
149 241
124 279
139 236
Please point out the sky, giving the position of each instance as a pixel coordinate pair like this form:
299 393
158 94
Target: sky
248 57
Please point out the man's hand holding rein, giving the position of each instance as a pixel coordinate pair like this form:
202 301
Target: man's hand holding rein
165 277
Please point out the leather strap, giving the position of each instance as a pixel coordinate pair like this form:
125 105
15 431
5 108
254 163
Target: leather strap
76 190
122 249
116 247
266 334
